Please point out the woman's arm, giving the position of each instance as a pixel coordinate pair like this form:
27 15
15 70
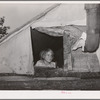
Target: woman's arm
80 42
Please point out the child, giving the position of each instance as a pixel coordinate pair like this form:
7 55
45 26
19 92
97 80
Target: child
46 59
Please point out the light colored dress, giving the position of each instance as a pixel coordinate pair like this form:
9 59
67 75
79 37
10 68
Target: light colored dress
42 64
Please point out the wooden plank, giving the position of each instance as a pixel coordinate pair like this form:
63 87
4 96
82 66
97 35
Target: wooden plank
67 52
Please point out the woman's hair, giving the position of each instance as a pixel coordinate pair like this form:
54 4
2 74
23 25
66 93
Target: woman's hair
42 53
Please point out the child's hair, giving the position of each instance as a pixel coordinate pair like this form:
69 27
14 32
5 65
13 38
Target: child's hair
42 53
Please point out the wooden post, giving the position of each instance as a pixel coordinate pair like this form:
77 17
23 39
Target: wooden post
67 51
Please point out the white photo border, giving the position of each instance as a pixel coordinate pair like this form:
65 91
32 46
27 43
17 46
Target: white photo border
48 94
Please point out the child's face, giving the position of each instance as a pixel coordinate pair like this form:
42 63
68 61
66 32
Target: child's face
48 57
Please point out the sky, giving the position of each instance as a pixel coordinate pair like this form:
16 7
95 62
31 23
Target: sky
18 14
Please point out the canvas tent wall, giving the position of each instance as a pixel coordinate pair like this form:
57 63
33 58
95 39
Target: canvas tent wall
16 48
16 54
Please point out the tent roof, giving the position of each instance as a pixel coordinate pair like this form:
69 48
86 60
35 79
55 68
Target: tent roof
62 16
29 23
17 14
59 30
56 15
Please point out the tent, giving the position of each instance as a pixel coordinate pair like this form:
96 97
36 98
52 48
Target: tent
56 39
19 49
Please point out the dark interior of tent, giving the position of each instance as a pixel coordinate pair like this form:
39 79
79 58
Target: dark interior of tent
41 41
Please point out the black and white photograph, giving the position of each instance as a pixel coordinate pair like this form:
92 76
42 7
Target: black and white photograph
50 46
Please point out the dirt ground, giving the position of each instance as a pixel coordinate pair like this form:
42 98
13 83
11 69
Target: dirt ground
51 79
53 83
